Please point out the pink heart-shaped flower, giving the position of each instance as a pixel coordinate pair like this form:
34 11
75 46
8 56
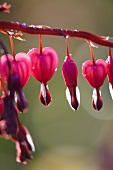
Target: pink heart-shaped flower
21 65
109 62
43 66
95 73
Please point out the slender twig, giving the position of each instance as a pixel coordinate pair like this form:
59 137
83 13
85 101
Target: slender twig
32 29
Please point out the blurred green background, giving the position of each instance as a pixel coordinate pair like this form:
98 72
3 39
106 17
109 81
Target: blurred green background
64 139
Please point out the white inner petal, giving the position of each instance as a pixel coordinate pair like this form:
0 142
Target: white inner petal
111 90
30 142
95 95
43 90
78 95
15 97
68 96
55 69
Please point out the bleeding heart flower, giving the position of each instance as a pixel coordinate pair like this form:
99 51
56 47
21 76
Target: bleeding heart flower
24 144
20 65
70 73
95 73
109 62
44 65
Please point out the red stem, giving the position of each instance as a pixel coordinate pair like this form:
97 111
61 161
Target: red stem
12 46
91 51
32 29
40 44
109 52
3 86
67 49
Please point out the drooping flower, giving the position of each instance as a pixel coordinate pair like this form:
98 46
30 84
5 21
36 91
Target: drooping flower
24 144
109 62
16 76
44 65
70 73
95 73
15 70
20 64
11 128
8 118
16 92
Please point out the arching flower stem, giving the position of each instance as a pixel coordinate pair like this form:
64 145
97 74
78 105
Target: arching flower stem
32 29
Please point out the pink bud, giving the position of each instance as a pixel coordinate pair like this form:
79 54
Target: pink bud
70 73
109 62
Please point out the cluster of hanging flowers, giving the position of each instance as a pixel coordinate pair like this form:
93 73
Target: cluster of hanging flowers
95 72
15 71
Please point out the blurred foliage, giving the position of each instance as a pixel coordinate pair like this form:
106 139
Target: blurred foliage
64 139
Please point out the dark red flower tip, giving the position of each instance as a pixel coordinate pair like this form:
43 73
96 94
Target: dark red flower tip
20 66
16 92
109 62
43 65
9 118
97 99
73 97
45 96
24 144
21 101
70 73
96 73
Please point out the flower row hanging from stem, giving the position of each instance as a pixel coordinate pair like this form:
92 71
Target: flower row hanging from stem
15 70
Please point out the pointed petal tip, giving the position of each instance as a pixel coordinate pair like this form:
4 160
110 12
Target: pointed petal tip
30 142
97 102
73 97
97 106
111 90
45 97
